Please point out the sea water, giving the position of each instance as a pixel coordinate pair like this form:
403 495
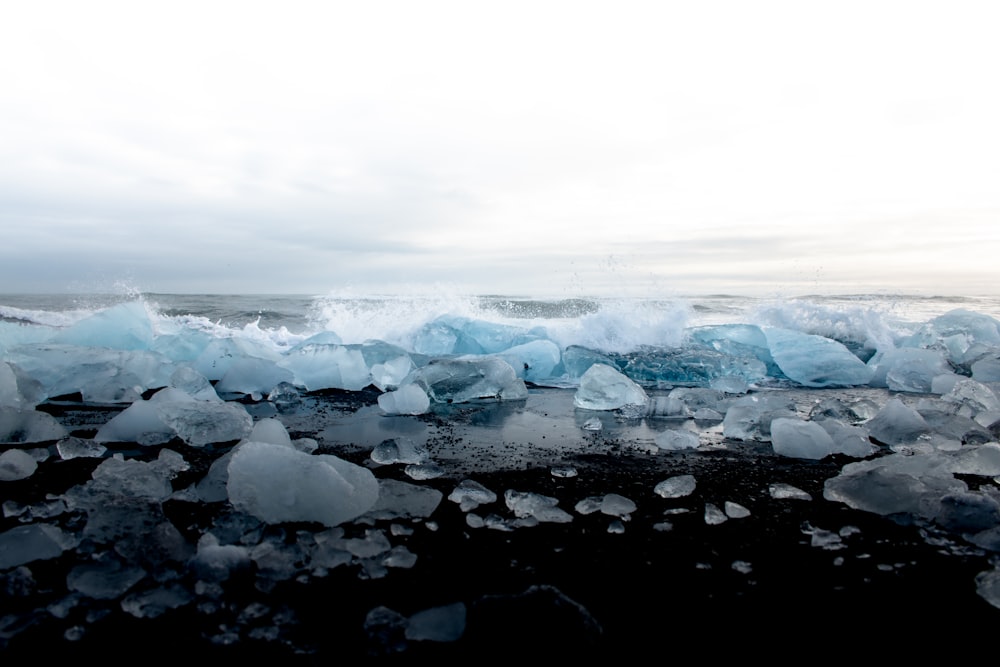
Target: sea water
604 324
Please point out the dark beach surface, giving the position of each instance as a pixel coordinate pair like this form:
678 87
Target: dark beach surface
793 577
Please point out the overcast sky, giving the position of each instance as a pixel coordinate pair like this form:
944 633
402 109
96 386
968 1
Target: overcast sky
548 148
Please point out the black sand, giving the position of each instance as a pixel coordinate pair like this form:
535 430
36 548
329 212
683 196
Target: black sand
766 585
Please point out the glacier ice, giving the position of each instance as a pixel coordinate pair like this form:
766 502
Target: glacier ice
800 439
278 484
28 426
468 378
16 464
605 388
673 439
815 361
676 487
409 399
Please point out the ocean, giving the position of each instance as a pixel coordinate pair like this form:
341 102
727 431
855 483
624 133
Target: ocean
604 324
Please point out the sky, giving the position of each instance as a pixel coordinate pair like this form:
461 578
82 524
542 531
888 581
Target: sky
540 148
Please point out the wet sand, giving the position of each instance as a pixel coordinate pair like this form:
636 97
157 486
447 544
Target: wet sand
794 578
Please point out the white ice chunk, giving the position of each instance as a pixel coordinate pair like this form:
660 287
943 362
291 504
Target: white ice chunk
849 440
252 376
713 515
25 426
328 367
908 369
389 374
466 379
815 361
410 399
399 450
605 388
470 494
798 438
676 487
534 361
782 491
611 504
533 505
16 464
897 424
735 510
278 484
674 439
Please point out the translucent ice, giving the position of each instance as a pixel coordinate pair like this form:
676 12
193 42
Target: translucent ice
278 484
542 508
328 367
470 494
466 379
37 541
897 423
815 361
676 487
605 388
25 426
800 439
16 464
673 439
410 399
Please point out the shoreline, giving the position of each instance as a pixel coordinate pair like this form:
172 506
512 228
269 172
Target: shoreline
605 585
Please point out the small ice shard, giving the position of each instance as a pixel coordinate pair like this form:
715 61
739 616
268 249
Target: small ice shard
592 424
398 499
782 491
563 471
155 602
217 562
713 515
616 527
735 510
611 504
604 388
439 624
742 566
75 448
533 505
285 397
798 438
423 471
675 439
278 484
409 399
470 494
398 450
16 464
676 487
